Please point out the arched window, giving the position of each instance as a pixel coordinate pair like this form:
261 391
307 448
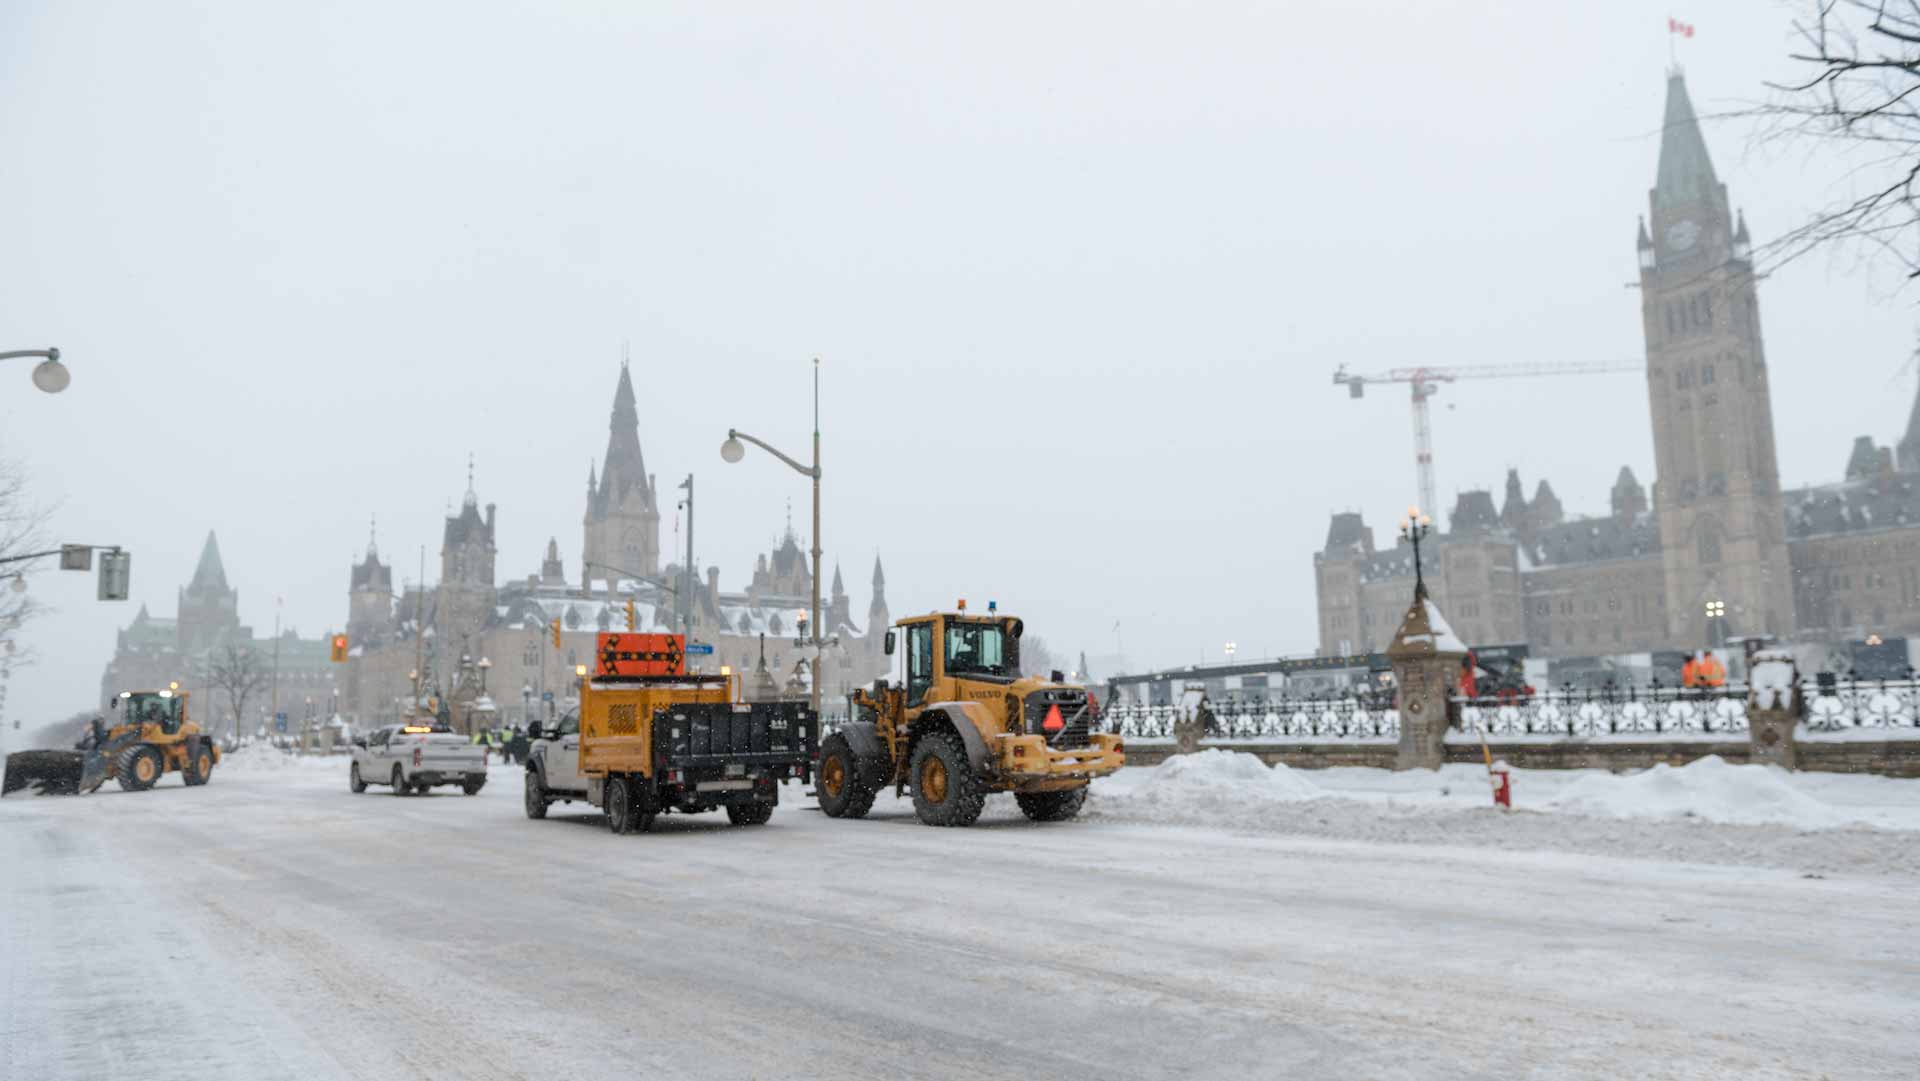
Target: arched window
1709 544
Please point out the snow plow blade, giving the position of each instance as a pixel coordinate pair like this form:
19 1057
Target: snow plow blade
48 773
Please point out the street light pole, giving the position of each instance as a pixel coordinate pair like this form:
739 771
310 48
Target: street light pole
732 451
49 375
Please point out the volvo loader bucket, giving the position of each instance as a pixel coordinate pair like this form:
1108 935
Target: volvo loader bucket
51 773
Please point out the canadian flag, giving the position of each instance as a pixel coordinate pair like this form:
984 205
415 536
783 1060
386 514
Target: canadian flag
1675 26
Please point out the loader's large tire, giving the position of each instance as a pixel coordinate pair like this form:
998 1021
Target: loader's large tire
139 767
749 814
399 782
945 790
199 768
1052 806
842 788
536 801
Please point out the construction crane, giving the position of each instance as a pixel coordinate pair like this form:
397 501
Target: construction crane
1425 383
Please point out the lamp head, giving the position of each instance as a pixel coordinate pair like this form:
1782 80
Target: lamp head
732 450
50 375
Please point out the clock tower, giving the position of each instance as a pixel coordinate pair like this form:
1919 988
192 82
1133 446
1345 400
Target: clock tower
1717 497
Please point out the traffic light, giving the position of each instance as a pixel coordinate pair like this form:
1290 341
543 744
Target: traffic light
556 633
339 649
116 574
633 615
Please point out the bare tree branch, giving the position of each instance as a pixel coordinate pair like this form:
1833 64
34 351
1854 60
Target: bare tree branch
239 671
1864 57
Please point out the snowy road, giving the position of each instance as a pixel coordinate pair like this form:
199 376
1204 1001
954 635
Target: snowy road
274 926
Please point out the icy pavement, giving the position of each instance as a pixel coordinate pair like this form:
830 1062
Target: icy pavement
1354 925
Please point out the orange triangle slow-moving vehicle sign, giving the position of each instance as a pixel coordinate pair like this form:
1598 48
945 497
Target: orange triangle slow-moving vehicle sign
1054 721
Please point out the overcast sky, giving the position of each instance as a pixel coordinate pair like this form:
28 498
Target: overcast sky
1078 275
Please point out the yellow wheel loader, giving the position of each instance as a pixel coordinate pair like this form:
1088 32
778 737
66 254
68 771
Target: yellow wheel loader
964 724
152 736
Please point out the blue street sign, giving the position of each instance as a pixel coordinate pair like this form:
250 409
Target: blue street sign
280 722
699 649
547 697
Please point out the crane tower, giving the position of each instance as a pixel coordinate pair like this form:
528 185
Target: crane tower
1425 383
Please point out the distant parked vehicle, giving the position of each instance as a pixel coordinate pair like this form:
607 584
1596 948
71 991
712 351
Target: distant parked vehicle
413 757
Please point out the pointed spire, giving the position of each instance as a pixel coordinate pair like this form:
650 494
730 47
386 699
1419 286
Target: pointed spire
625 468
839 587
373 532
1645 242
210 574
1686 172
1740 234
472 498
880 577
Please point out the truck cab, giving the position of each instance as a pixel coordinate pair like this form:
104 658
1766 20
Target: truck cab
553 757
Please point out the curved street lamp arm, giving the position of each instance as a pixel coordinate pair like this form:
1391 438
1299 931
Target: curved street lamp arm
734 433
49 354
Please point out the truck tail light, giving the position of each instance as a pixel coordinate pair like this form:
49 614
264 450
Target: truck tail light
416 758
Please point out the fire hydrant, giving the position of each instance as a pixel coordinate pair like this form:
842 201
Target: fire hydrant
1502 780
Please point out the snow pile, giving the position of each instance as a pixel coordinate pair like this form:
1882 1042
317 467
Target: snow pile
265 758
1212 786
1709 788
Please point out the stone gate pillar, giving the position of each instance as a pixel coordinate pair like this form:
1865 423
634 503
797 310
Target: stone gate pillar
1774 707
1426 657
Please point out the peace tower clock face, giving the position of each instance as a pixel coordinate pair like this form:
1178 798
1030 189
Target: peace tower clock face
1683 234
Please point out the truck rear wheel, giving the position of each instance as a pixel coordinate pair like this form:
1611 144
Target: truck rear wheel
749 814
353 778
841 788
1052 806
945 791
138 767
620 805
536 795
399 782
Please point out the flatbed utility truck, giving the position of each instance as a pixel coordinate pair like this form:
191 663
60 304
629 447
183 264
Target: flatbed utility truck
651 738
964 724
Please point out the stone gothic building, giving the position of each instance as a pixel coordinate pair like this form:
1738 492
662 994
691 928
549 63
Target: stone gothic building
155 651
1717 549
485 646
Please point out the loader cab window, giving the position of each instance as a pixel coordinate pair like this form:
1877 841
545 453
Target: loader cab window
919 662
153 709
977 649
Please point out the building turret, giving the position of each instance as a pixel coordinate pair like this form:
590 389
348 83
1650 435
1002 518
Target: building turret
551 572
878 620
209 610
1629 498
622 523
370 598
839 607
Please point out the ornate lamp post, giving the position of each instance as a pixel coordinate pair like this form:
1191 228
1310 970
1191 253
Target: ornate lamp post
1415 527
732 451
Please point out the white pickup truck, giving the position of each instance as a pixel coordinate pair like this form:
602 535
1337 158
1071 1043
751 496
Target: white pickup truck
415 757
